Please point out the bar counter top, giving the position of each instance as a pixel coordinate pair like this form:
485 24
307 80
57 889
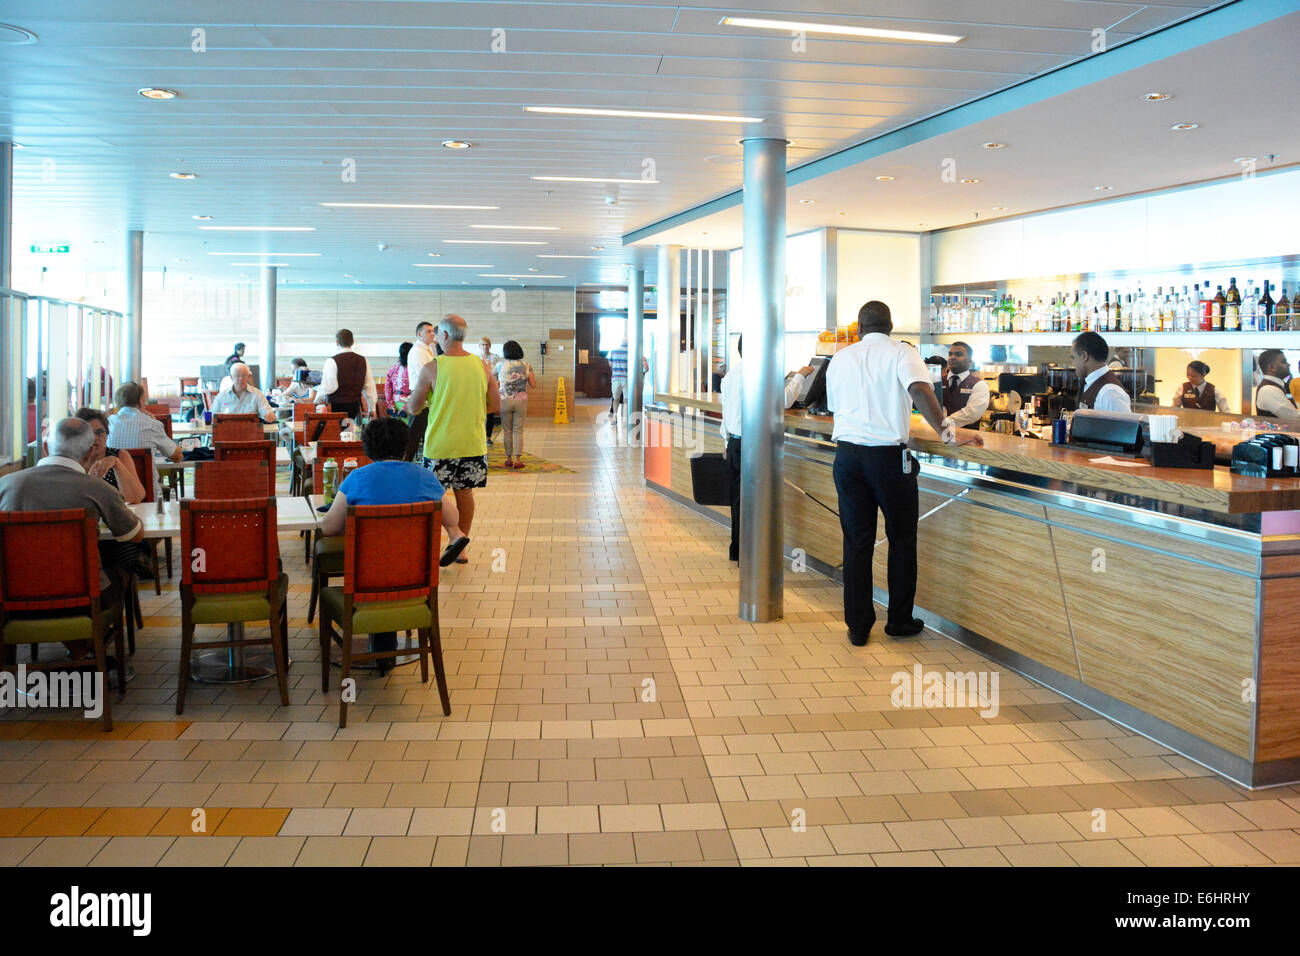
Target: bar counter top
1217 489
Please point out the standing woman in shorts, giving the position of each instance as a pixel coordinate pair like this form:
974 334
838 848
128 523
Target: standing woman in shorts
515 377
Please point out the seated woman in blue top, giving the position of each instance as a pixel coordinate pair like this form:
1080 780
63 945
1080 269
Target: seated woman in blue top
388 480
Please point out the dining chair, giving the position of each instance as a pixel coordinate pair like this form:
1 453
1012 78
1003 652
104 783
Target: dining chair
390 583
327 553
233 478
313 431
46 601
236 430
142 458
234 578
263 451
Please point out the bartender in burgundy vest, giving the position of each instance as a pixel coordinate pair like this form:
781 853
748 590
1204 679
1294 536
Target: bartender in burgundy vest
1101 388
965 394
1198 393
1272 397
346 379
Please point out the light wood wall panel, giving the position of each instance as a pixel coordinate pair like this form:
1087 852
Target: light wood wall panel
1279 671
1171 637
183 330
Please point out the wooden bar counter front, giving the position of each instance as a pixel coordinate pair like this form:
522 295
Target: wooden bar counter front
1164 599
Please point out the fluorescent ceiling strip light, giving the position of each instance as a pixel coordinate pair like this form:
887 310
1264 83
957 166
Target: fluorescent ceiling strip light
503 275
594 179
873 33
259 228
543 256
446 265
269 255
267 264
535 228
398 205
495 242
641 114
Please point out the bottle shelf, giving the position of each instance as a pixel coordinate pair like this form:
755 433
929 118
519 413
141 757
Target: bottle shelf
1176 340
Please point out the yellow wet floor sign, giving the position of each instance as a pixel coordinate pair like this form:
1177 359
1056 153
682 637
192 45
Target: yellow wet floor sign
561 406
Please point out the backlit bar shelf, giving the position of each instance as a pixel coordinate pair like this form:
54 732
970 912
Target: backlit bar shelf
1177 340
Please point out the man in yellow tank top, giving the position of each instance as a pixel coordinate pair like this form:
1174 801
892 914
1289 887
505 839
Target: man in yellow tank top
459 392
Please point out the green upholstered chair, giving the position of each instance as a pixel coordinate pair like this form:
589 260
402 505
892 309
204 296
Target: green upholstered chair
390 583
49 590
231 575
327 553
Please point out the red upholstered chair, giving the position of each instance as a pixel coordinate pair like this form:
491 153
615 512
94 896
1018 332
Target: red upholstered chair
390 583
234 417
229 479
332 430
142 458
58 598
234 579
300 410
263 451
327 553
236 431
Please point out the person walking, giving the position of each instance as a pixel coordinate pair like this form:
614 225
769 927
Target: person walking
515 377
489 363
421 354
345 380
397 383
459 392
870 388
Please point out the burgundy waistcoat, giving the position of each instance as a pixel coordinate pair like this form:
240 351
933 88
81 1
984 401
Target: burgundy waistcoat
1285 391
1205 400
1087 399
956 393
352 378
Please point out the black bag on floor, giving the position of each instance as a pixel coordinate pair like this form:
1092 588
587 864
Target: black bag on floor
711 480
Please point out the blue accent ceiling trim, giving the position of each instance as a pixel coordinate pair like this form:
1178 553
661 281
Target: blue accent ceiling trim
1176 38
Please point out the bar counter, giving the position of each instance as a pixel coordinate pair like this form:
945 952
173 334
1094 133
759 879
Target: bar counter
1162 598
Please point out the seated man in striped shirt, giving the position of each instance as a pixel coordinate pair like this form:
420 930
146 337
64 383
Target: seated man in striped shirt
242 397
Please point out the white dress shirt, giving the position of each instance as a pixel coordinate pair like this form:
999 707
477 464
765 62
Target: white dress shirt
1111 398
252 402
866 390
419 356
733 389
329 381
976 405
1220 400
1272 398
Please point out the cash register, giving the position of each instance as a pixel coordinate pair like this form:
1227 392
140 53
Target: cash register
813 394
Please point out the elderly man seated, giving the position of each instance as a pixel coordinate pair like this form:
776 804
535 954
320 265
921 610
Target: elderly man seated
61 480
389 480
133 428
242 397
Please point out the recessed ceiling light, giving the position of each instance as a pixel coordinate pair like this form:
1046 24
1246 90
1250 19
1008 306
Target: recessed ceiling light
841 213
436 255
348 275
534 269
594 179
1103 188
455 144
642 114
1157 97
536 228
1241 160
275 255
448 265
544 256
1183 127
807 202
835 29
185 175
202 218
968 181
157 93
180 260
920 224
259 228
597 248
494 242
358 281
999 208
885 179
398 205
504 275
994 145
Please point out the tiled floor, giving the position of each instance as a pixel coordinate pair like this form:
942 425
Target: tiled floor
609 708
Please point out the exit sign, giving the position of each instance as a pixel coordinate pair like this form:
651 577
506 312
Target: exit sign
53 249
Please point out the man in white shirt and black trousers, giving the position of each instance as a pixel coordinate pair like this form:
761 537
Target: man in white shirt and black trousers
732 389
870 388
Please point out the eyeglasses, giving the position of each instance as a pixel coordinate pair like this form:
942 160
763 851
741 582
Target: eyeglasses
98 432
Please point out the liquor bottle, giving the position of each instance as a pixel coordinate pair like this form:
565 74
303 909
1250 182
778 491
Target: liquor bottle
1187 311
1158 310
1250 308
1107 312
1218 309
1128 313
1207 308
1265 313
1282 316
1232 307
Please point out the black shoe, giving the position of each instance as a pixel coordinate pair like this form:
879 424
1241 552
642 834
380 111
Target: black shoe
859 638
910 629
452 551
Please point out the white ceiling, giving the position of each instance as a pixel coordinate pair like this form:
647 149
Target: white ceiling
287 90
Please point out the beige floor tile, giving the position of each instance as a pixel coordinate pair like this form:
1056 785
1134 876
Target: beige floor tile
629 818
692 816
982 831
976 856
1224 849
910 859
267 851
334 851
1037 854
860 838
568 819
922 835
315 822
1213 817
594 849
441 821
199 851
674 847
1100 853
1268 814
1163 851
65 851
133 851
1280 846
377 822
400 851
1042 828
541 849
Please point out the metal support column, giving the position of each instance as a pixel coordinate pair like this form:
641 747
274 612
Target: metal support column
132 344
667 313
6 215
762 448
268 329
635 348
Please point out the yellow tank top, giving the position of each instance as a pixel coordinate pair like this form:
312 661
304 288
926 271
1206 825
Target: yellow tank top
457 409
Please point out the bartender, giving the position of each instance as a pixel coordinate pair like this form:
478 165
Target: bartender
1101 387
965 394
1272 398
732 390
1198 393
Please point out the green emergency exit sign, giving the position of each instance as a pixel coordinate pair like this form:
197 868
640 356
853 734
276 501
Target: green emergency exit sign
53 249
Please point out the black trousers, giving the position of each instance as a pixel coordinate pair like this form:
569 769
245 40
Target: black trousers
732 458
415 441
350 409
870 479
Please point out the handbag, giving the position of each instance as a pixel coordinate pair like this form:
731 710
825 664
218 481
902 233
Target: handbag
711 480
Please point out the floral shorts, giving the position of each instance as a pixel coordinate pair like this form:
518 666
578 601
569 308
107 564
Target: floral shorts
457 474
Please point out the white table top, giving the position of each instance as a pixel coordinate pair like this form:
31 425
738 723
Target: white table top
189 429
292 514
